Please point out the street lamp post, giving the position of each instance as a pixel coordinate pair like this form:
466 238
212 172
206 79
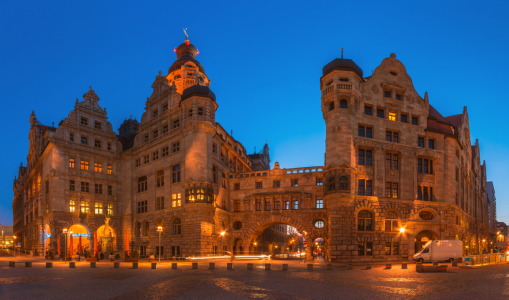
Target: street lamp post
14 246
159 229
222 234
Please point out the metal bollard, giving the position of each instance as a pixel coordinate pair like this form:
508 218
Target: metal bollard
12 264
116 265
267 266
285 267
249 266
454 263
135 265
388 266
49 265
72 264
92 264
195 265
229 266
28 264
154 266
435 263
174 265
368 267
418 267
404 266
212 265
348 267
310 267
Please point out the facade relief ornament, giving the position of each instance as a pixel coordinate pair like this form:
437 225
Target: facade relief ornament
375 89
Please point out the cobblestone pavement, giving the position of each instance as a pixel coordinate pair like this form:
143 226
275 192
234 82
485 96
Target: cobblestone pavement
106 282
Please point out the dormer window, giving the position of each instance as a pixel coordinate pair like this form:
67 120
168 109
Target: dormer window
97 125
84 121
387 94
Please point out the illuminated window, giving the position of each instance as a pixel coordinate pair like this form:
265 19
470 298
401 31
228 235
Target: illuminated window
110 169
319 224
72 206
200 194
110 209
71 162
85 209
176 200
98 208
84 165
98 167
319 203
392 116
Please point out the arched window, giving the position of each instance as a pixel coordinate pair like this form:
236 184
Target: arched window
365 221
343 183
177 226
343 104
319 224
391 221
331 106
145 233
332 183
137 229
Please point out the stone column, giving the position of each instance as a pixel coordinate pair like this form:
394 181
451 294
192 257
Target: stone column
309 250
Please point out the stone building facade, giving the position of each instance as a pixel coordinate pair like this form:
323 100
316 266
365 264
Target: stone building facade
397 173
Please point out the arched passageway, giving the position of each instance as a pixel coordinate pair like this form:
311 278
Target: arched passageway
106 239
78 239
423 237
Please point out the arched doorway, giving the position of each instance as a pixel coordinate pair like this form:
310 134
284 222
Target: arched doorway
78 240
106 239
423 237
237 247
318 248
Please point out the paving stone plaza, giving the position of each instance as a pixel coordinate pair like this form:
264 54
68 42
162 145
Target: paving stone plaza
107 282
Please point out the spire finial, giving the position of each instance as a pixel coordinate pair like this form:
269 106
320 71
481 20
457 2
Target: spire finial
90 87
131 116
160 73
185 32
341 53
265 141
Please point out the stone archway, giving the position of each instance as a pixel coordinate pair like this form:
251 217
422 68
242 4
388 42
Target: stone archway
423 237
78 239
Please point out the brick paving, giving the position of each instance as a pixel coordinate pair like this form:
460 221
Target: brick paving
105 282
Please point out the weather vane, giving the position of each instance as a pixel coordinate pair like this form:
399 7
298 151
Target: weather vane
185 33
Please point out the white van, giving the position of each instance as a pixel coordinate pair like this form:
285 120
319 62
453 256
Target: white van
444 250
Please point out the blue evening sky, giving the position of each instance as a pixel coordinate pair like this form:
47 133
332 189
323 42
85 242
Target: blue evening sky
264 59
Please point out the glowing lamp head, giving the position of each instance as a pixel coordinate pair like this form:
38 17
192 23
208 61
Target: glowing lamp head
65 230
188 42
402 230
159 228
14 236
222 233
197 52
255 243
175 50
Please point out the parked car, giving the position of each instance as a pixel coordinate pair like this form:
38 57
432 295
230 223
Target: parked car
440 250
